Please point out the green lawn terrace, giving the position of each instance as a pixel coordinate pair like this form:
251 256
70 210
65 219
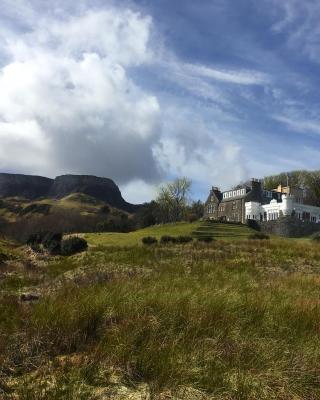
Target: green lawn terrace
196 229
224 231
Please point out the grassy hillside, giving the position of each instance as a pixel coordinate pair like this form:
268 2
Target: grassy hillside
13 209
73 213
196 229
230 320
133 238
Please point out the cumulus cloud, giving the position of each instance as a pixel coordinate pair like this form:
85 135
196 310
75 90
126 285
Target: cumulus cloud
190 147
66 97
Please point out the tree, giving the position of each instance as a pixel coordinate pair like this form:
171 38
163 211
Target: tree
173 199
148 214
195 211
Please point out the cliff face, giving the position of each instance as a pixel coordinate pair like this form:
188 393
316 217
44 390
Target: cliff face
101 188
27 186
33 187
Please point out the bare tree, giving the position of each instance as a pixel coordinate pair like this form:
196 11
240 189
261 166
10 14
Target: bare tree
173 199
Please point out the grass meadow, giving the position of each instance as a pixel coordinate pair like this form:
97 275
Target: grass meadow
232 319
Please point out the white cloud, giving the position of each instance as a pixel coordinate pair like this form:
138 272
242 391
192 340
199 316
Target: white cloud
22 141
70 79
305 126
299 20
199 151
240 77
138 191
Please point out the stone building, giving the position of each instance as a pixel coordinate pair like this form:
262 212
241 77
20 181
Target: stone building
253 202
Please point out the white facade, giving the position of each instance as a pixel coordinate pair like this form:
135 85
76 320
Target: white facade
288 206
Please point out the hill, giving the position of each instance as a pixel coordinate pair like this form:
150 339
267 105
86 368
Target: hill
68 203
36 187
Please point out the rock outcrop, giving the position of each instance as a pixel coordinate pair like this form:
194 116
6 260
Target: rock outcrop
101 188
27 186
34 187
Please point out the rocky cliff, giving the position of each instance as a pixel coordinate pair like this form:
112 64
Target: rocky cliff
34 187
27 186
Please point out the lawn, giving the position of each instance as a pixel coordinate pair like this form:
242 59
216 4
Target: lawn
216 230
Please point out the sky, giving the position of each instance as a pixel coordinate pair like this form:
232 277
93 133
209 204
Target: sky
144 91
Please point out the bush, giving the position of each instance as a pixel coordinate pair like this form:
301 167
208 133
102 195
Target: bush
148 240
192 217
105 209
73 245
184 239
316 237
50 241
206 239
167 239
259 236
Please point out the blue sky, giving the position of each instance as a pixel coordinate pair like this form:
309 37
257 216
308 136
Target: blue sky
144 91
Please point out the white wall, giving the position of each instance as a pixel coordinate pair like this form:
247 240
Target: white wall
274 209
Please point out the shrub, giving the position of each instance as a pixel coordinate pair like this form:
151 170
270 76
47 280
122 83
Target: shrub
206 239
50 241
73 245
192 217
148 240
167 239
259 236
316 237
105 209
35 238
184 239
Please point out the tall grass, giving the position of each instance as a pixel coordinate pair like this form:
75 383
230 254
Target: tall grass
235 320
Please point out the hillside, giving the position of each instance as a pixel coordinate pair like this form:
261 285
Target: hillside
36 187
68 203
232 319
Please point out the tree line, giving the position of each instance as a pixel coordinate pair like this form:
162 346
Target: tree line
172 204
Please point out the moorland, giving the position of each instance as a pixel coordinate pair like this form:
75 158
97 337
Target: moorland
234 318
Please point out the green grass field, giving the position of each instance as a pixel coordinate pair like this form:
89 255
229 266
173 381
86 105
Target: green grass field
229 320
196 229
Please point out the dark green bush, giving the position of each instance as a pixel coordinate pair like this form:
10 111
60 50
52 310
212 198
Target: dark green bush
73 245
165 239
50 241
316 237
206 239
259 236
35 238
184 239
148 240
105 209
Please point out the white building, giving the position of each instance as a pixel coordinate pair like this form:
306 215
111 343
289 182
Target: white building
285 205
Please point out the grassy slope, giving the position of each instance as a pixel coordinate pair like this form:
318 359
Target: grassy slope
236 319
221 231
212 317
77 202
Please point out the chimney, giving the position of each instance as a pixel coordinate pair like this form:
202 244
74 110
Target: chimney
256 184
215 190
